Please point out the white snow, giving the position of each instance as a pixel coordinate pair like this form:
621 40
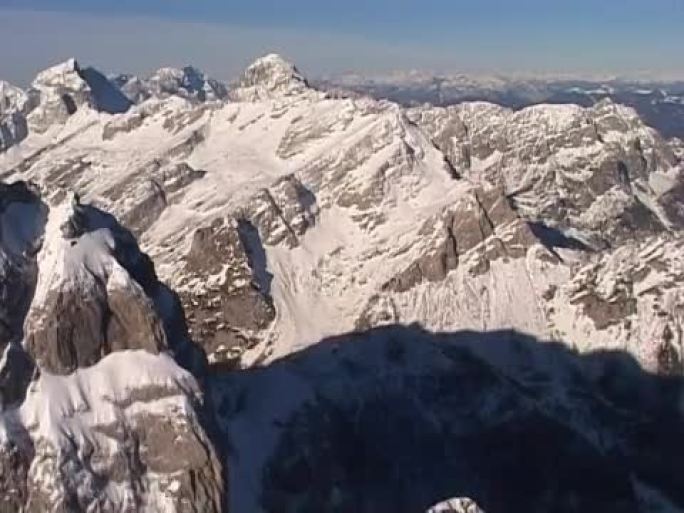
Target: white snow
339 149
65 263
377 179
60 408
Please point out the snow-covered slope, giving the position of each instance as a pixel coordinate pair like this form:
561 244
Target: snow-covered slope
659 101
238 230
270 77
343 212
122 435
92 397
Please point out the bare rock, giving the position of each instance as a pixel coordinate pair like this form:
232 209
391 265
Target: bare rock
482 221
283 212
13 126
226 295
99 302
586 169
15 459
145 450
380 310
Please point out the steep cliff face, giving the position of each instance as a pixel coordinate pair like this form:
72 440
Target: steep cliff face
599 170
13 126
92 397
55 95
351 211
102 437
91 296
22 222
214 233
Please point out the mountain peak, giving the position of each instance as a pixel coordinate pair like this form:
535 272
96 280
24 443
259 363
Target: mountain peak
273 59
59 91
187 82
64 73
349 252
270 76
67 66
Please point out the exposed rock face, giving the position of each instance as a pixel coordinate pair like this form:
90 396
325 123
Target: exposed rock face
589 169
22 221
433 266
95 302
13 126
55 95
379 311
140 201
283 212
91 408
285 216
120 460
11 98
13 129
14 466
481 227
634 291
225 313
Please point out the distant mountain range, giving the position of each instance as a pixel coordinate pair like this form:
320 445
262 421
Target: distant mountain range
659 103
273 298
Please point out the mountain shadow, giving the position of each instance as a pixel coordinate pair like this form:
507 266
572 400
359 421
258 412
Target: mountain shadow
256 254
108 97
397 419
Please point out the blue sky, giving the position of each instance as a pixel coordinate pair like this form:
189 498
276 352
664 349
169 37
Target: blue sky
325 36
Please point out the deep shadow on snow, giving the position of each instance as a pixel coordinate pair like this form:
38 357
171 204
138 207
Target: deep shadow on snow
397 419
107 96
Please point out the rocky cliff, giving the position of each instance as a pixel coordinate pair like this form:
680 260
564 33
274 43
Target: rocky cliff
273 298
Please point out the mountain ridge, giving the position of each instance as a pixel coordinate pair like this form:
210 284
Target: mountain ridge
216 238
658 101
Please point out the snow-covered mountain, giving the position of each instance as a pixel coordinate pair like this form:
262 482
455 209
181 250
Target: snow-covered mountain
659 102
13 126
219 300
188 83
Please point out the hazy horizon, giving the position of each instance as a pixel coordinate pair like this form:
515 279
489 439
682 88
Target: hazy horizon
615 39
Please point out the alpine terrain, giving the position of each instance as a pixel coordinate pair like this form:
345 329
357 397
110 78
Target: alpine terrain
659 101
267 297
